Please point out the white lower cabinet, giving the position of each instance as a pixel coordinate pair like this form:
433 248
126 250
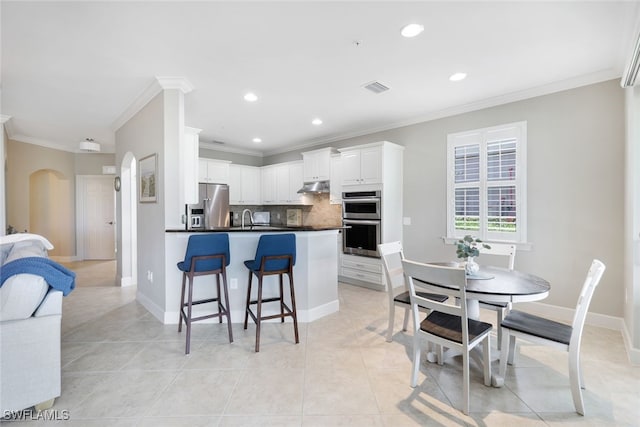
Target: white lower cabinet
362 271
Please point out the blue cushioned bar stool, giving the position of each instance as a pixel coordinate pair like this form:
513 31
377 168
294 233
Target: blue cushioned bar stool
276 255
206 254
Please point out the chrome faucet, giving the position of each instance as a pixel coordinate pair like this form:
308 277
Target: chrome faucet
250 216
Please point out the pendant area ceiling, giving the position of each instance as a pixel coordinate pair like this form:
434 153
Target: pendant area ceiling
71 69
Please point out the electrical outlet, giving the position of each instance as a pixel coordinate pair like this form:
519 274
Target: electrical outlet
150 276
278 215
406 220
234 283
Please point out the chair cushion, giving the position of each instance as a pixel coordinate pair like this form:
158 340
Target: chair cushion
205 245
405 298
274 245
538 326
449 326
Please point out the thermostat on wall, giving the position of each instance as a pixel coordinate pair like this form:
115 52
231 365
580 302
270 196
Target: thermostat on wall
294 217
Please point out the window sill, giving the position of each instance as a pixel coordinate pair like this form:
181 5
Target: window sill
521 246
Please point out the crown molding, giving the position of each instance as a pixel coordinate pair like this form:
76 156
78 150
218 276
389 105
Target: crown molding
157 86
180 83
227 149
106 148
559 86
192 131
43 143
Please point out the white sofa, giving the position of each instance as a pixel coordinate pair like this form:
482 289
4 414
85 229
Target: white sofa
30 317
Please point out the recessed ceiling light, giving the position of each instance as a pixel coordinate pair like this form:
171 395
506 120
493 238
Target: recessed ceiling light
411 30
250 97
457 77
257 140
316 122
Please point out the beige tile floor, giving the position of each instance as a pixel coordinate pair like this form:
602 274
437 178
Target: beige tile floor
121 367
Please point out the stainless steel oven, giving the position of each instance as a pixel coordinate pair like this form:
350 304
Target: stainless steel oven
361 204
361 217
361 237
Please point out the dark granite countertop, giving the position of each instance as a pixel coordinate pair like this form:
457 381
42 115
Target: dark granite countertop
256 228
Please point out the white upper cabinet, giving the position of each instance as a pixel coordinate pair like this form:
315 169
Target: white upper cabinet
296 172
213 171
244 185
335 197
317 165
269 193
361 166
281 182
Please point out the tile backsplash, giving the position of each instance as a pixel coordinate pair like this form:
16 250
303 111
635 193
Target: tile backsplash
320 214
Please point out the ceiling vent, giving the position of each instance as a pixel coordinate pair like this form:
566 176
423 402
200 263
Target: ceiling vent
376 87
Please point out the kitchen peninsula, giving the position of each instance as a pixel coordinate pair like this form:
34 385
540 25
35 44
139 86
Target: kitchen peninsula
315 274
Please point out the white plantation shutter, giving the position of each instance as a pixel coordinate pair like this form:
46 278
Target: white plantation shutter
486 183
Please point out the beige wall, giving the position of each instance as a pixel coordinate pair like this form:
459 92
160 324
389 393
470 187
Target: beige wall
23 160
91 164
575 187
143 135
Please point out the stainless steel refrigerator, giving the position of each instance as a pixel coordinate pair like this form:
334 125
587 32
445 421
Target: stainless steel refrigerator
213 210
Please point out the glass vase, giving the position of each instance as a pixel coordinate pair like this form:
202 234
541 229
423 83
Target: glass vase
471 267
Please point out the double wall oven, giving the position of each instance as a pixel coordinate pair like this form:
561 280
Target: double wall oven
361 216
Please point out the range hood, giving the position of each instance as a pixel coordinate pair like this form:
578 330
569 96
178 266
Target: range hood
316 187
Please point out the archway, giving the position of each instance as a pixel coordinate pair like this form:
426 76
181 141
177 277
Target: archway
50 210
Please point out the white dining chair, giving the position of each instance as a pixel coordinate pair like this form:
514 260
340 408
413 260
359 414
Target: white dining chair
554 334
447 324
397 290
501 308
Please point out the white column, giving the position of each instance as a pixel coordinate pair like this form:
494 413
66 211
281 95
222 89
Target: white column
3 156
631 331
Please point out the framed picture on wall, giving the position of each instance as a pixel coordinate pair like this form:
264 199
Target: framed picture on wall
148 173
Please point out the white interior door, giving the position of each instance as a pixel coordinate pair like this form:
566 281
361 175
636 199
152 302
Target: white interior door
99 218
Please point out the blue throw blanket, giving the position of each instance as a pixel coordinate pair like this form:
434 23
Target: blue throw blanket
56 275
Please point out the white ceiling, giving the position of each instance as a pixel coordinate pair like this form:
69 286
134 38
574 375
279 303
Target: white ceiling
70 70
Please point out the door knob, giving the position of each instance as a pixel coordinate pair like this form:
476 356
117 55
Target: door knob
110 223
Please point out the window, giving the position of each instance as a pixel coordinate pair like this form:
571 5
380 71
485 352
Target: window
486 183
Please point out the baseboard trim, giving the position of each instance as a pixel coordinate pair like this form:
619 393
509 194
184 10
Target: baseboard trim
633 353
320 311
152 307
237 316
125 281
362 283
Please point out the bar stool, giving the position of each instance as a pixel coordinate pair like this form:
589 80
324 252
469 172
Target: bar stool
276 254
206 254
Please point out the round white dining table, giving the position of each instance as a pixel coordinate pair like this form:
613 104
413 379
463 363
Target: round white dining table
496 284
